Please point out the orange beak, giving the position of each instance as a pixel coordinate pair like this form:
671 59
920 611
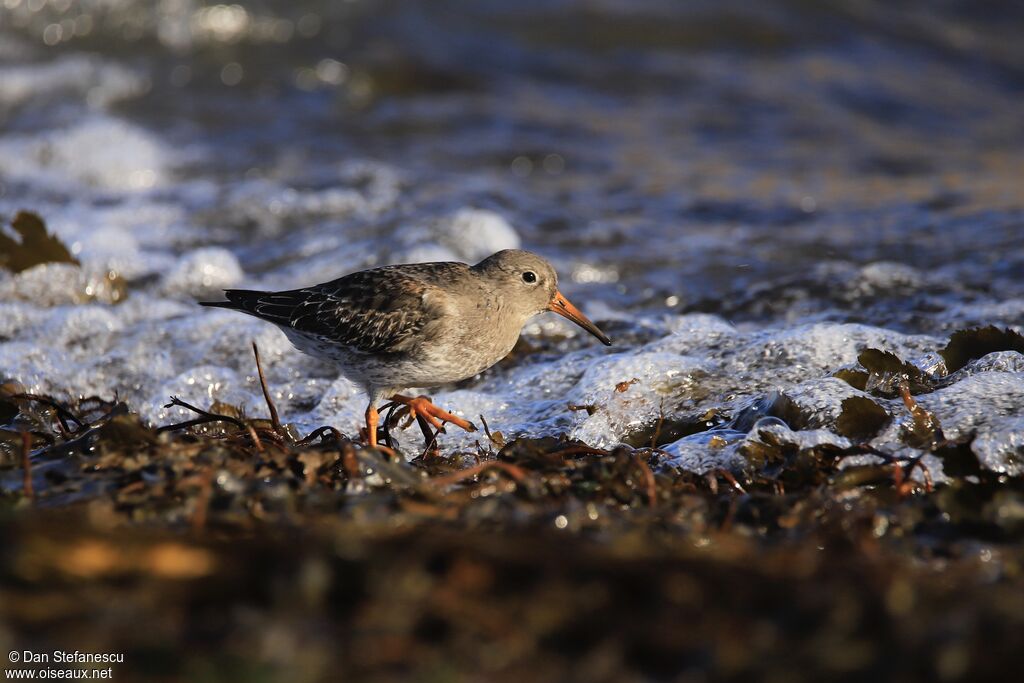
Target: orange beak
560 305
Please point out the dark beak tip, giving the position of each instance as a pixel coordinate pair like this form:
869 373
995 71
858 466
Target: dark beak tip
600 336
560 305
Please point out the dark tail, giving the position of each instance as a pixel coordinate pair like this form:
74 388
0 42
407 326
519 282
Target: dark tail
277 307
244 300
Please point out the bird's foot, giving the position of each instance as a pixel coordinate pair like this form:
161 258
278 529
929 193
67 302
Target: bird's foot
422 409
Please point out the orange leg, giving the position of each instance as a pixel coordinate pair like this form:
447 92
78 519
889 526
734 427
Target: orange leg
421 407
372 420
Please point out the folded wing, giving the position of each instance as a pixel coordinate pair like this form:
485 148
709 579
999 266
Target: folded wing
373 311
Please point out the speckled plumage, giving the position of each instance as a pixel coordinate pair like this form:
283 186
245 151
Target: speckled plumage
372 311
414 325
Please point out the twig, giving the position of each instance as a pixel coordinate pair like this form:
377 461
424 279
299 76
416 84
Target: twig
929 484
727 475
433 441
255 438
63 414
209 417
903 467
276 438
902 474
319 434
26 465
922 418
275 421
487 430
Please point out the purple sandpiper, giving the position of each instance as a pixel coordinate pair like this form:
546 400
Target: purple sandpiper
415 325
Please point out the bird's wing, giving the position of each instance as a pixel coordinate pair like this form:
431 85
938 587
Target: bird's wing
374 311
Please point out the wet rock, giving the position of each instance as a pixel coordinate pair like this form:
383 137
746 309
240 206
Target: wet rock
1000 447
659 375
817 403
706 451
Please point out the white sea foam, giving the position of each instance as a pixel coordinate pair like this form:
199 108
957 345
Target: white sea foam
100 152
97 82
203 272
468 235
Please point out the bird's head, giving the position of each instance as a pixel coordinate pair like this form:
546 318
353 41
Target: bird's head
529 285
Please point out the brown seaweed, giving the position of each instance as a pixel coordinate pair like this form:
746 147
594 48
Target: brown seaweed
34 246
861 418
967 345
886 371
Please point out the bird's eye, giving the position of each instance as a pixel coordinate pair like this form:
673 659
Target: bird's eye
530 277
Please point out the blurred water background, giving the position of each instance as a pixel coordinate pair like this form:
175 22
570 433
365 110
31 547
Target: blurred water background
744 195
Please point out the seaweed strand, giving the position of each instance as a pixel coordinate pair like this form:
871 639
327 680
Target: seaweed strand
275 420
207 417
